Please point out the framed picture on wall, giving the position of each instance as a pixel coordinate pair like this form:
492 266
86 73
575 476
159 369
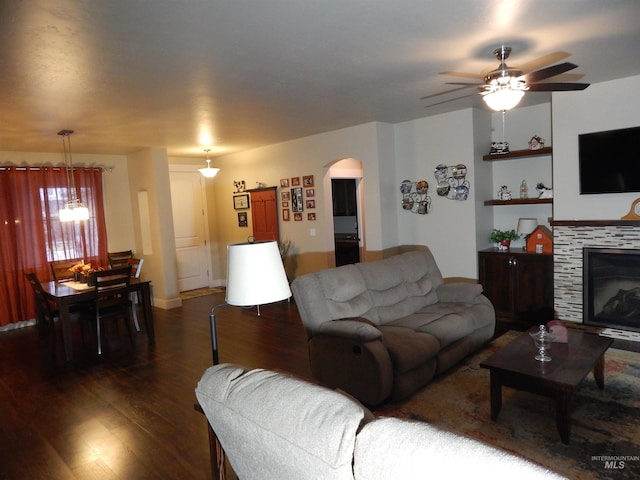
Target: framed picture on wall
285 196
285 215
297 217
242 219
295 181
284 182
241 201
311 204
285 204
297 202
307 180
311 216
310 192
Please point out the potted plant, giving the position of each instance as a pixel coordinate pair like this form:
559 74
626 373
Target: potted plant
503 238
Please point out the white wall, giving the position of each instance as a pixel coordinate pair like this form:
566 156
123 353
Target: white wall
449 229
313 155
603 106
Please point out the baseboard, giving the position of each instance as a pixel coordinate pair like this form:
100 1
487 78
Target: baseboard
167 304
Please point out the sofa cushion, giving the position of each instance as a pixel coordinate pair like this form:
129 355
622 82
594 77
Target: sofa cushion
390 448
459 292
358 329
345 292
401 285
407 348
447 325
275 426
477 314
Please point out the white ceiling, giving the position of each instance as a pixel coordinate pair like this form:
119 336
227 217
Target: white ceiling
235 74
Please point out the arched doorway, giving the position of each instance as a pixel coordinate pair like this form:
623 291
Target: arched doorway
346 177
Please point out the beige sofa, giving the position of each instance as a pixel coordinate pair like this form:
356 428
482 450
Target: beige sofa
274 426
384 329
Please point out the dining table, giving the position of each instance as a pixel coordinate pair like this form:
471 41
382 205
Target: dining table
70 293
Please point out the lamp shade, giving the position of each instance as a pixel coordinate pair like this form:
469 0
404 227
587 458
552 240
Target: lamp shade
255 274
526 226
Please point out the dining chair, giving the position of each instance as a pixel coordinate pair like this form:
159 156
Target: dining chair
60 269
136 269
119 259
46 314
112 299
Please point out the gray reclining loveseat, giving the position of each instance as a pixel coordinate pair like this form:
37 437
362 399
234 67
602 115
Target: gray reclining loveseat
382 330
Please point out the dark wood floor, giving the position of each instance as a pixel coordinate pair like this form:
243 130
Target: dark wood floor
130 414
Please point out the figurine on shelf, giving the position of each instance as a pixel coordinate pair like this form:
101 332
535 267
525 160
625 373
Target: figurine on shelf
499 148
545 192
504 193
536 143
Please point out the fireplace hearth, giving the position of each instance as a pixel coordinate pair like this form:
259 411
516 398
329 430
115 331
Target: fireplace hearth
611 288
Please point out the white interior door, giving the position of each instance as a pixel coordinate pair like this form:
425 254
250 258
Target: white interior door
189 224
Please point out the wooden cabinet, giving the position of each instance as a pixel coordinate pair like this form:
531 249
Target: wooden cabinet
519 154
264 213
519 284
343 192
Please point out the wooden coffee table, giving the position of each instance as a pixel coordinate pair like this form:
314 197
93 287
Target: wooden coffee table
514 366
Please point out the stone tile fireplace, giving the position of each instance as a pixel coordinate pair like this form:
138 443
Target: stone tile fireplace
612 288
569 240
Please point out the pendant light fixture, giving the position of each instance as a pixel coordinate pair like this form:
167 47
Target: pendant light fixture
73 209
209 172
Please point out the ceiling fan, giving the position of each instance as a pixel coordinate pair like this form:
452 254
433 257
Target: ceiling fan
504 87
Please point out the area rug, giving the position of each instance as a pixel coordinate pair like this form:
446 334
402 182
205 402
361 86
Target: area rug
605 424
200 292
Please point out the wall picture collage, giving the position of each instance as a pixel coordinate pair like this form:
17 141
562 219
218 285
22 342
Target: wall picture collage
296 195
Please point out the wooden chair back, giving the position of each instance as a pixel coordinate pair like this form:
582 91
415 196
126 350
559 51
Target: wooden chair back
119 259
60 269
111 298
136 266
112 286
46 314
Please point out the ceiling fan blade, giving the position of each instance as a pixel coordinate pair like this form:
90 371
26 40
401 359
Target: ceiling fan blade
557 87
448 91
476 76
450 100
466 83
544 61
548 72
569 77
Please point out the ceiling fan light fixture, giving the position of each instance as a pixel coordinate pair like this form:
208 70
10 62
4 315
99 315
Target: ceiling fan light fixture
208 171
503 98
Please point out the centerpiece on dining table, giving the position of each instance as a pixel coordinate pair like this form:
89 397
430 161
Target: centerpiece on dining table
82 272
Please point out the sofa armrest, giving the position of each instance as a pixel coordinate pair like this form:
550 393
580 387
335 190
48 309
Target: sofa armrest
359 331
395 448
362 369
459 292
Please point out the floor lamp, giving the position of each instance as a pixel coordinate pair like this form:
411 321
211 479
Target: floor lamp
255 276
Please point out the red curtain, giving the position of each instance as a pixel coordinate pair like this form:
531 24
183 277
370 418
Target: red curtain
31 234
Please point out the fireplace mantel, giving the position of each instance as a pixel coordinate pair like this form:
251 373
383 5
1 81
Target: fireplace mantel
595 223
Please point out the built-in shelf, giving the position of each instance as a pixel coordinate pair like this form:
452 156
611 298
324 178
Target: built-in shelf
518 153
519 201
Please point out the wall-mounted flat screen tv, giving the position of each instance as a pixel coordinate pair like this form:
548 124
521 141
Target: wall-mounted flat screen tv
610 161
